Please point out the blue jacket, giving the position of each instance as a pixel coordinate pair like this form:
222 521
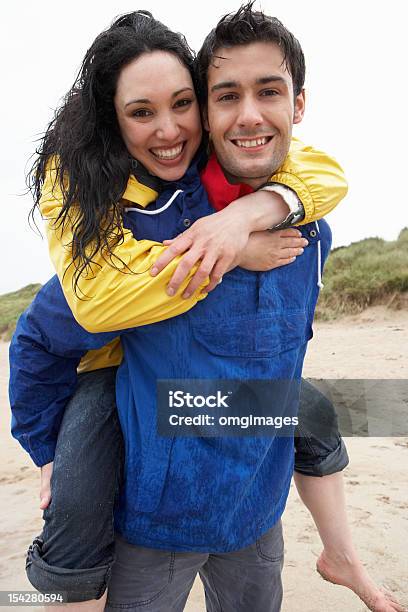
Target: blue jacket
182 494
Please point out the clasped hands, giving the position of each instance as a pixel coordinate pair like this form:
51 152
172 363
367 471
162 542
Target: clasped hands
218 243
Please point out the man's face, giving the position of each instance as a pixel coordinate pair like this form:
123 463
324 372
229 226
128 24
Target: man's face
250 112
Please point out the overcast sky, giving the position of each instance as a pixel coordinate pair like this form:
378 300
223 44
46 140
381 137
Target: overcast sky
356 96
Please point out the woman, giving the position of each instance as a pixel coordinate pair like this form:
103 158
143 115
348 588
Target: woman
101 231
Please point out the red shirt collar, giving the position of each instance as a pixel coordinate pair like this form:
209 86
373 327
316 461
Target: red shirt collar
220 191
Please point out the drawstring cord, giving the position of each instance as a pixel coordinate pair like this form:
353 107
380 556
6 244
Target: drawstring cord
159 210
319 261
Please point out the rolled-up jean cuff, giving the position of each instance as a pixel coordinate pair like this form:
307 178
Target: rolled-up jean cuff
76 584
333 462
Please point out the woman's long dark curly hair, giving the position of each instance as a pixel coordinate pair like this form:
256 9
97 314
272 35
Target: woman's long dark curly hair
92 162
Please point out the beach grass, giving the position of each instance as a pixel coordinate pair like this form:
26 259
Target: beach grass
12 305
363 274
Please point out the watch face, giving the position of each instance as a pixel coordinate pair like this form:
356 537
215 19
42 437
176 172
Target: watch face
286 222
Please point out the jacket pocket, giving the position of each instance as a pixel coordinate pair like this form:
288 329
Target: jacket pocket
253 336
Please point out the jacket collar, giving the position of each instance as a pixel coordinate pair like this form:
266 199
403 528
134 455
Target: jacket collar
137 193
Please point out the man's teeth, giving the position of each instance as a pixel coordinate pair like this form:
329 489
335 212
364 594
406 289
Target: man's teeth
168 153
256 142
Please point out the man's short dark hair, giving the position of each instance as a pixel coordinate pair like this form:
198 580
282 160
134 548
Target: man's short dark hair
244 27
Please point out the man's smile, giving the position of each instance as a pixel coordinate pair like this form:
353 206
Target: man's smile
253 143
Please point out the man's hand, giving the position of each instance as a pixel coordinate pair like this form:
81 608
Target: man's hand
268 250
215 242
45 489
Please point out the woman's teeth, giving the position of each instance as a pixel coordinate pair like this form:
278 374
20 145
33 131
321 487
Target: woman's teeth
168 153
255 142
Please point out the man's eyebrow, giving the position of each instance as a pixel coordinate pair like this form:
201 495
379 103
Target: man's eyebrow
147 101
273 78
225 85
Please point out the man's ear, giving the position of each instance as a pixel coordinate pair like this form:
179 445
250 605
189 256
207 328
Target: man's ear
299 109
204 115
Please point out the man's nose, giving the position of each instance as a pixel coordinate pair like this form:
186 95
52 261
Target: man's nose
168 129
249 113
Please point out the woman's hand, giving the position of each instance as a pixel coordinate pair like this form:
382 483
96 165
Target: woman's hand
45 488
268 250
215 242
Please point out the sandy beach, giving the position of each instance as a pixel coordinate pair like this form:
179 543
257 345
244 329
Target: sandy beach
370 345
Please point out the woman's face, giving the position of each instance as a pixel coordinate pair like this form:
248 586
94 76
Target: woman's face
158 114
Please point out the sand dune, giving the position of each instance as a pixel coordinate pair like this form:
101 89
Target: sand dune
370 345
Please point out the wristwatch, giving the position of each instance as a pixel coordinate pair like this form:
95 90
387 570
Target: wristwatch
296 210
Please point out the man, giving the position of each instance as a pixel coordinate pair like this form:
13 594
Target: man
252 98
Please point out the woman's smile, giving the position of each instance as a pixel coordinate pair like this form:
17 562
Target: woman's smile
170 153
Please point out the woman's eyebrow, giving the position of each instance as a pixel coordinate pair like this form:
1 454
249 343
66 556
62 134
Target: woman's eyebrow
179 91
147 101
139 101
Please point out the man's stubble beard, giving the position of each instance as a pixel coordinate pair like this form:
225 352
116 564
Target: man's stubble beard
236 173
